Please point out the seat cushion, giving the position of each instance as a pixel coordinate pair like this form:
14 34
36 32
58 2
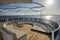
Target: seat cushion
17 32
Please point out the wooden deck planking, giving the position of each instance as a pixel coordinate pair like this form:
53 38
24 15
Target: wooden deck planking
31 35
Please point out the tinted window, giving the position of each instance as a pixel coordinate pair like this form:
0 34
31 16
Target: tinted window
15 19
20 18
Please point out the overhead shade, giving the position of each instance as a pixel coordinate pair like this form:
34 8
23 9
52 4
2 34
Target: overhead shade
24 1
14 1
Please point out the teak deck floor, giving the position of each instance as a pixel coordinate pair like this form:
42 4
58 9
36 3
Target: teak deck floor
33 35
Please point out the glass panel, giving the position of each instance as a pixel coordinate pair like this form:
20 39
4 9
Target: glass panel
21 19
15 19
57 35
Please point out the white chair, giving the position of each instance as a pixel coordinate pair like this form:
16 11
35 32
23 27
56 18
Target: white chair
9 33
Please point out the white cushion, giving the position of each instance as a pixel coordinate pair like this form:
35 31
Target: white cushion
38 28
17 32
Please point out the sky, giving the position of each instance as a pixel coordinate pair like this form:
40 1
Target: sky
51 7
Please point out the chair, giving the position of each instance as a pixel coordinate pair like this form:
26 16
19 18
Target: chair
9 33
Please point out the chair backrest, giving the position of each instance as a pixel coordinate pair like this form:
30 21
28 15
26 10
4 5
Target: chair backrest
8 35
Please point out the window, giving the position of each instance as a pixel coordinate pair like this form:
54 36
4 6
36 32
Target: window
10 19
25 19
35 19
30 19
2 20
15 19
20 19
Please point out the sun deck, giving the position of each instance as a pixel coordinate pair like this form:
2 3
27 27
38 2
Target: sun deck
33 35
